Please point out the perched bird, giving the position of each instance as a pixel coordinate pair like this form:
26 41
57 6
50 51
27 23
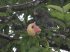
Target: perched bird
43 18
32 29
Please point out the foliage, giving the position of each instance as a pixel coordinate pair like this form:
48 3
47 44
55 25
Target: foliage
61 16
18 27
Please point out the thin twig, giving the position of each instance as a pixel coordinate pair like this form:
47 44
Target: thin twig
7 37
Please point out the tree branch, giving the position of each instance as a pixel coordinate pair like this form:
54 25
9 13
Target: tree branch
59 35
22 6
53 44
7 37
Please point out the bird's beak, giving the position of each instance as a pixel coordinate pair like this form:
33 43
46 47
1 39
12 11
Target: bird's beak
35 13
37 30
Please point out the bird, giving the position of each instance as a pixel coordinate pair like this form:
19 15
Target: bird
32 29
43 18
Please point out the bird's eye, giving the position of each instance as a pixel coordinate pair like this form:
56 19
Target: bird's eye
32 27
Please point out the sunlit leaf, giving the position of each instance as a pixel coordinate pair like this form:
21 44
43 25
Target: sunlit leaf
55 7
67 16
57 14
66 7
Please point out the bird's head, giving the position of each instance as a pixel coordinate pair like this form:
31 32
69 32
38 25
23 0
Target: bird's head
38 13
32 29
41 13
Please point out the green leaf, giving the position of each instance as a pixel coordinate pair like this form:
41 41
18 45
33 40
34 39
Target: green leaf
24 33
55 7
4 24
25 16
9 11
47 47
2 50
57 14
38 7
7 47
33 49
58 40
67 16
30 42
10 2
6 29
23 44
49 50
3 3
68 1
59 22
38 41
23 48
2 14
16 21
66 7
41 49
68 23
68 42
37 45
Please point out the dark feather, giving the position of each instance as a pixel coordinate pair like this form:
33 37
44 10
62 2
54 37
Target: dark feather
43 18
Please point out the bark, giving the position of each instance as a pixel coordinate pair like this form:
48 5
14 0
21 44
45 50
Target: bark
22 6
7 37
